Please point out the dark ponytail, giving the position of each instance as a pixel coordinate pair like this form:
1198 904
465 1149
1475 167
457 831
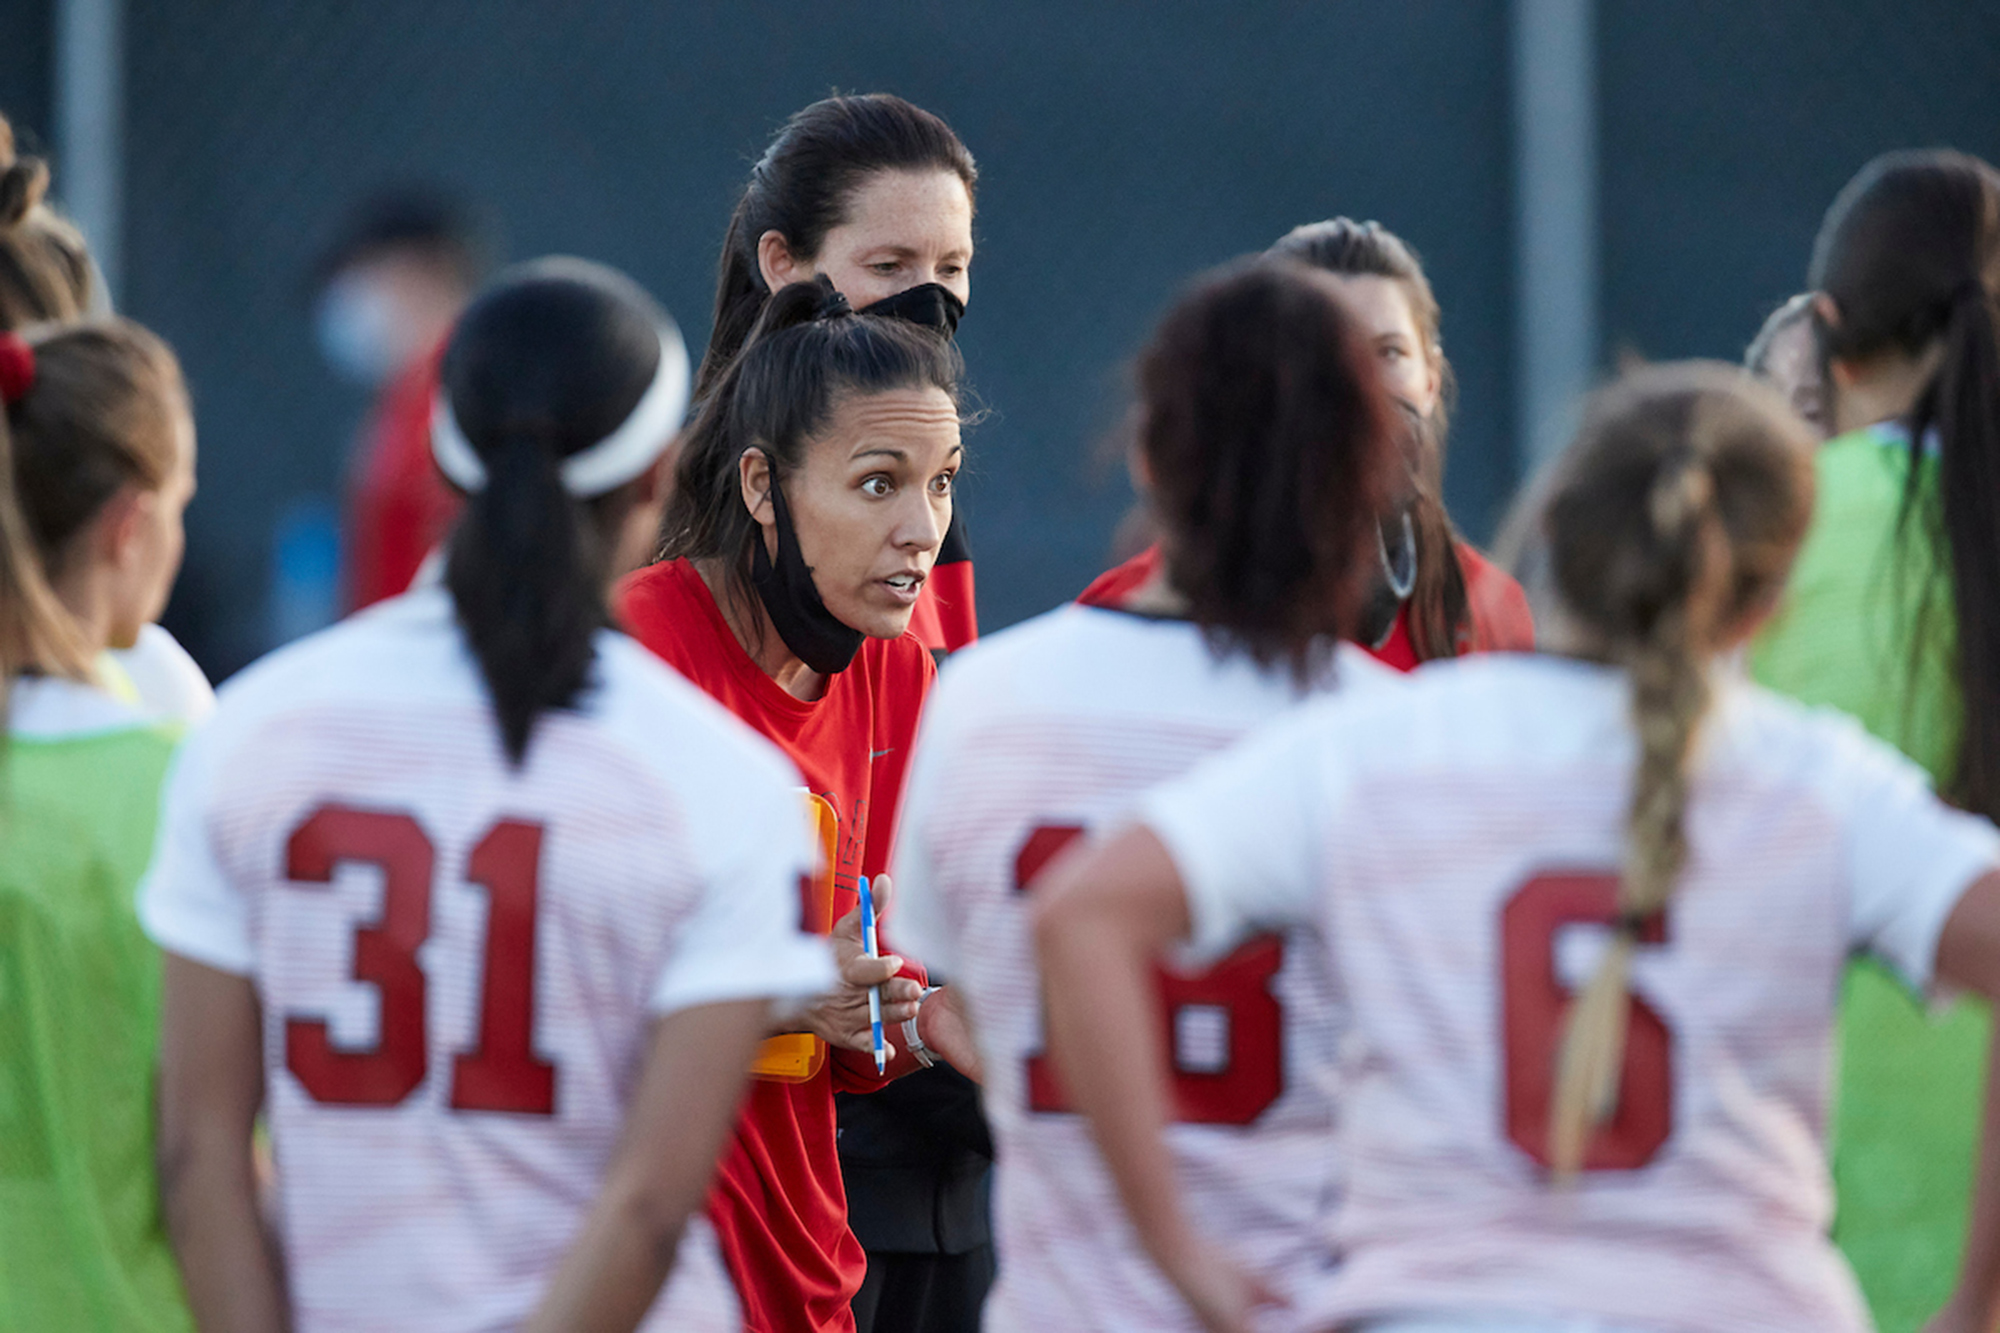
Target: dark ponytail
1271 443
1910 256
801 188
549 361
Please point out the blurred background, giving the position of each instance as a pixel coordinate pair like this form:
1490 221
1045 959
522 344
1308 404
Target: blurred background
1582 179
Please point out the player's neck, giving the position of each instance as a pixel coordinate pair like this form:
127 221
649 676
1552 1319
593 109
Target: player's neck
758 636
84 593
1156 597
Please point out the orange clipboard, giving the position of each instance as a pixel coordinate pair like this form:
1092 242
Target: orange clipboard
797 1056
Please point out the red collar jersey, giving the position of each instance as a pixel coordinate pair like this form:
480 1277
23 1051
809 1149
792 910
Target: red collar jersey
1501 621
779 1207
946 618
398 505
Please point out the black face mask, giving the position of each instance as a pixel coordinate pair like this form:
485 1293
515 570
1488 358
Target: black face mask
931 305
1396 542
822 642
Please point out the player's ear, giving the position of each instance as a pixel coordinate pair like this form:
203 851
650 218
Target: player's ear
117 534
753 476
775 263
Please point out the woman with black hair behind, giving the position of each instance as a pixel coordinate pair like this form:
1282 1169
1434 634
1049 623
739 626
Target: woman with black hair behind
1893 616
471 896
811 497
1266 447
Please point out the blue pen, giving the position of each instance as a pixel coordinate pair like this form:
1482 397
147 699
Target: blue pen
874 992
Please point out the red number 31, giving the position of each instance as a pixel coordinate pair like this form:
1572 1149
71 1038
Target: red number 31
1234 1090
502 1073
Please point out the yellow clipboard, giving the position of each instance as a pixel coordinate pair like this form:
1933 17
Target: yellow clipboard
797 1056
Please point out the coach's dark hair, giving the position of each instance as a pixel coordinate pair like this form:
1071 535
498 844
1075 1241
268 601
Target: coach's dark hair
1674 517
806 352
1272 448
547 361
1440 613
1909 254
45 269
801 189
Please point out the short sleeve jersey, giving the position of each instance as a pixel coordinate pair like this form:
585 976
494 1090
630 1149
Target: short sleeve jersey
458 960
778 1206
1040 735
1458 844
82 1245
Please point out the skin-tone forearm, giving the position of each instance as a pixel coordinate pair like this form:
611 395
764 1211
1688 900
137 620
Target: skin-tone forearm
947 1029
1102 917
1969 958
211 1086
1974 1306
1104 1036
695 1071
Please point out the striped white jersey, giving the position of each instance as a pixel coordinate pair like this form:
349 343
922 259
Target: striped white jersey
1035 736
458 961
1458 844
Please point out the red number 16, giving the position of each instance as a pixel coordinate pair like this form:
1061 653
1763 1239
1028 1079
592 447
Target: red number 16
1236 992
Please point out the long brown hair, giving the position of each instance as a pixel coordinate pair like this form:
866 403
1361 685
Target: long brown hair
1439 612
1270 441
100 413
1679 509
1910 256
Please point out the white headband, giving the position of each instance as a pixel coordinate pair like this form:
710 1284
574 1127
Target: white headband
614 460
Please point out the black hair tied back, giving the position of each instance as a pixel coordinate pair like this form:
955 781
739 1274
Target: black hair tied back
548 362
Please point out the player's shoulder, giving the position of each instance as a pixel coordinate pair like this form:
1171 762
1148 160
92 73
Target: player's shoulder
672 725
406 646
1468 711
50 709
1813 745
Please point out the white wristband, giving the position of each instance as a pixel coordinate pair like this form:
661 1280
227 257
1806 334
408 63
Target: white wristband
913 1040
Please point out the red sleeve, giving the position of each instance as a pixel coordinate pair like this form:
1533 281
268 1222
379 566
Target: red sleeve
908 672
1114 585
1501 619
401 507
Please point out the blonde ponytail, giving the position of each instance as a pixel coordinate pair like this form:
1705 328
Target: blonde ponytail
1679 517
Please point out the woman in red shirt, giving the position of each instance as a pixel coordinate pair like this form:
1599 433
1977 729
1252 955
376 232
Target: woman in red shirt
812 495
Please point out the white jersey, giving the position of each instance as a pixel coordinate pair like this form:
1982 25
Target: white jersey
1032 737
458 961
1458 844
157 676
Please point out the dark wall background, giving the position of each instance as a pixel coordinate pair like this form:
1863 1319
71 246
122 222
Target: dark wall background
1122 148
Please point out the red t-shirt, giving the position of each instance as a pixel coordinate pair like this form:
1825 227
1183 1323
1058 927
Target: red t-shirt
947 618
399 507
1501 621
779 1208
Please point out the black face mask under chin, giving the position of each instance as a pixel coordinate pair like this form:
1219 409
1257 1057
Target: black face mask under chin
1393 583
821 641
932 305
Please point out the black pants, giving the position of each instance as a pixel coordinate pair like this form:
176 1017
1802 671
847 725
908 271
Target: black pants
924 1293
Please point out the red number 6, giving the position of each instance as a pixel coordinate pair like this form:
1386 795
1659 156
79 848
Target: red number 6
1534 1005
